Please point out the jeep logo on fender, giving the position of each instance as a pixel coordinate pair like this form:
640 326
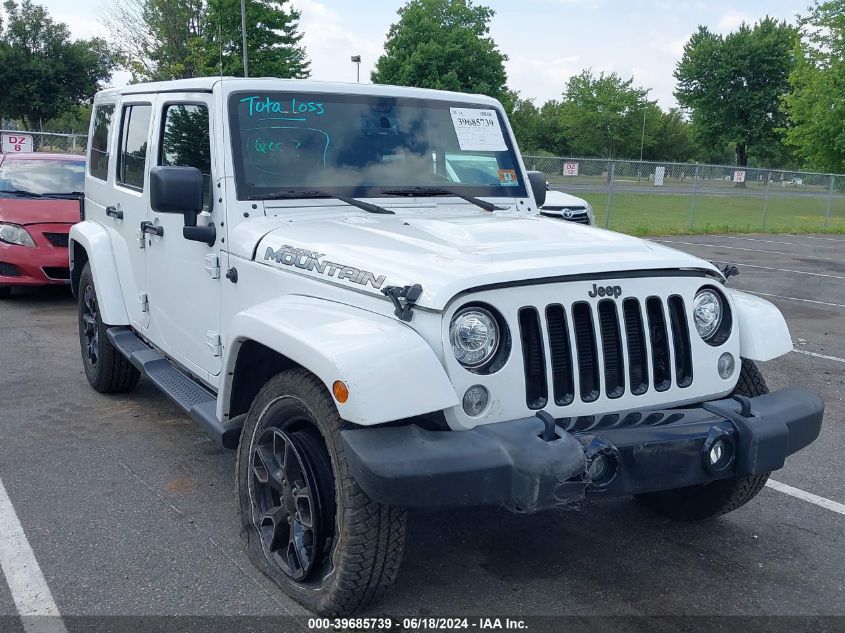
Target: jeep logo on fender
309 260
605 291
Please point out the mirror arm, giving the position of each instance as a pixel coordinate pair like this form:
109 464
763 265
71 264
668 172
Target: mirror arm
207 234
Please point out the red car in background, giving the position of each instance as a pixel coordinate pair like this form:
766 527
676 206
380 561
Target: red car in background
39 201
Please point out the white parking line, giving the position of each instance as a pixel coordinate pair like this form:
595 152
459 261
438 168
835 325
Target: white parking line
817 355
768 294
757 239
38 611
809 497
813 237
753 250
781 270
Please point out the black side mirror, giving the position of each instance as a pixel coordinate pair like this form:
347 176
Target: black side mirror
537 179
180 190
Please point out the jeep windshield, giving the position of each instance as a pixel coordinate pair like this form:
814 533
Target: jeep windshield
369 146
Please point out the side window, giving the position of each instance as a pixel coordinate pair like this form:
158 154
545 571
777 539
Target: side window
98 159
185 142
134 129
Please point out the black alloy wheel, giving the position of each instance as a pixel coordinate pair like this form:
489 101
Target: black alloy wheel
89 327
292 498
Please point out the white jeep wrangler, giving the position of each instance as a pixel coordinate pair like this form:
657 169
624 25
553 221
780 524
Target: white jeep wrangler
332 280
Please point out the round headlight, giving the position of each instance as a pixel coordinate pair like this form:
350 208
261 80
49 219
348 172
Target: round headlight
707 311
474 335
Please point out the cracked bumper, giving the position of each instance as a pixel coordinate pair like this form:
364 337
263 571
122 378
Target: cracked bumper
509 464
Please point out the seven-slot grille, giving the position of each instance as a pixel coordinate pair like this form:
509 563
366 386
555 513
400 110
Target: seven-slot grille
590 338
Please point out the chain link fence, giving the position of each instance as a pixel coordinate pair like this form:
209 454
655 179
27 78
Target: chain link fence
651 198
645 198
22 141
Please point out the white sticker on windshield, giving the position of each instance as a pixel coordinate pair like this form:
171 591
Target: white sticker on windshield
478 130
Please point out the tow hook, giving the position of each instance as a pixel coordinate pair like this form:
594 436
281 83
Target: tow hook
549 434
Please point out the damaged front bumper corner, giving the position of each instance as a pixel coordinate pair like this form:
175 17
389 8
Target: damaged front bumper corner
525 466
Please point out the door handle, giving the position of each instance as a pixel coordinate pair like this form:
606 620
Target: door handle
152 229
112 212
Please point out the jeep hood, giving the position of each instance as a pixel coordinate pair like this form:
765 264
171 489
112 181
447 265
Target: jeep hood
445 255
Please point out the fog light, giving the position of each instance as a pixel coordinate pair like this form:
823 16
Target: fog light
602 463
718 452
726 365
475 400
720 455
597 467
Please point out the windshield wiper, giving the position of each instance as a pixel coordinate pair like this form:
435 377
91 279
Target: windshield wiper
63 194
441 191
289 195
23 193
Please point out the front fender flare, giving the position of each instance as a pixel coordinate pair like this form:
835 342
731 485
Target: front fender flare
391 372
95 239
763 333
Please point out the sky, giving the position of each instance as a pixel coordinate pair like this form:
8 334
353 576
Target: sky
546 41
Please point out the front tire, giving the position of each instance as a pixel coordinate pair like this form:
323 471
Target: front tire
697 503
107 370
309 527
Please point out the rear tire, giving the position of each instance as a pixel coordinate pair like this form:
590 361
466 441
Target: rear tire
107 370
719 497
353 546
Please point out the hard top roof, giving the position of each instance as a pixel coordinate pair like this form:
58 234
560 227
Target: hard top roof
232 84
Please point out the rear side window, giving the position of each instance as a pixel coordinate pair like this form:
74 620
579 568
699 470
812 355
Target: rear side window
185 142
98 160
134 130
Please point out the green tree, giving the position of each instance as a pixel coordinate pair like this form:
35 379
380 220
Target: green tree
525 121
816 104
734 86
173 39
670 136
273 39
43 73
158 39
551 131
443 44
602 116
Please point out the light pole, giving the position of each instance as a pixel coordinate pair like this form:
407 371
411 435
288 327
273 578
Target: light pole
243 34
356 59
642 137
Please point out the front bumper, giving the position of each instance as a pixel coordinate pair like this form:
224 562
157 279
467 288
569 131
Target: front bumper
510 464
45 264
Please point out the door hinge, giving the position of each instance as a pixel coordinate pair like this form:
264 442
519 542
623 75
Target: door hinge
212 265
142 239
144 301
212 339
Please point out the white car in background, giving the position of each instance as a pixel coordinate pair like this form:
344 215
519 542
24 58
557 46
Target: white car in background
567 207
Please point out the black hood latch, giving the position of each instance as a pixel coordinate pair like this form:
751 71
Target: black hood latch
404 299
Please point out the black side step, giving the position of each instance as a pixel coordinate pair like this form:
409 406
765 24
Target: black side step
192 397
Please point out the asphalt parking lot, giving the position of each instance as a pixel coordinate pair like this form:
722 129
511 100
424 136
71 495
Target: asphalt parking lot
130 510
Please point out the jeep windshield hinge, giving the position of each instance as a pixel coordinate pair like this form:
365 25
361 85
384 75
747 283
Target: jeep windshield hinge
215 344
404 299
212 265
